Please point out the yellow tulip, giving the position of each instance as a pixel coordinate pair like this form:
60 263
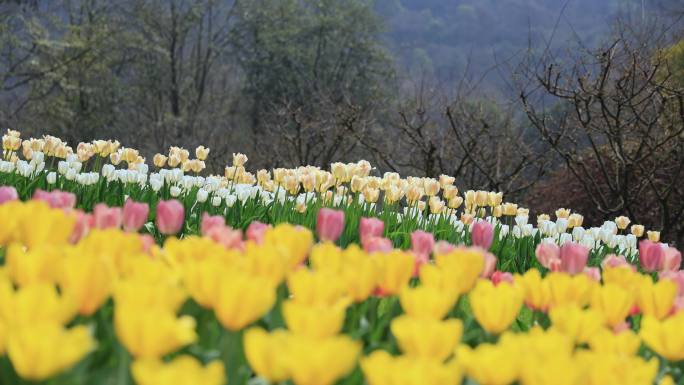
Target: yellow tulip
321 361
537 290
87 279
36 303
495 307
267 353
380 368
358 273
395 269
656 299
202 279
490 364
462 267
315 321
426 302
604 369
427 338
182 370
152 333
315 287
613 302
622 276
146 294
664 337
41 350
625 342
41 225
242 299
579 324
327 256
36 265
566 289
292 242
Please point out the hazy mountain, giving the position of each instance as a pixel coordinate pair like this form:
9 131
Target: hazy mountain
440 37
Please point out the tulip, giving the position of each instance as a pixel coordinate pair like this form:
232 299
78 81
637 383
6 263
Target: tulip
256 231
82 226
134 215
377 245
672 259
593 273
8 193
489 265
675 276
495 307
548 254
182 370
211 221
483 234
653 236
321 361
573 257
443 247
266 354
370 227
329 224
422 243
226 236
650 255
664 337
105 217
501 276
170 216
622 222
637 230
426 338
56 198
612 260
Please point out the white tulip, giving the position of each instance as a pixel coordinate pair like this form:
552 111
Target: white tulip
202 195
175 191
52 177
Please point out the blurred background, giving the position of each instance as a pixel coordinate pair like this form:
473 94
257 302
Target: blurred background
557 103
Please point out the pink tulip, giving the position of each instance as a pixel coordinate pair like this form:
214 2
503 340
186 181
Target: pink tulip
672 259
489 265
422 243
612 260
134 215
573 257
500 276
443 248
420 260
329 224
147 242
593 272
211 221
482 234
650 255
170 216
226 236
370 227
105 217
56 199
256 231
82 226
8 193
377 245
548 254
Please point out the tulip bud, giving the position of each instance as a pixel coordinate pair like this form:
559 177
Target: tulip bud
482 234
455 202
510 209
239 160
650 255
256 231
211 221
573 257
622 222
653 236
202 195
159 160
105 217
329 224
201 152
8 193
637 230
134 215
497 211
170 216
672 259
422 243
216 201
548 254
431 187
370 227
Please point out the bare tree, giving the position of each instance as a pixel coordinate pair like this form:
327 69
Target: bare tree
617 123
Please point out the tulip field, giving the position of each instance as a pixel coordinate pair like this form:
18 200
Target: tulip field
113 271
